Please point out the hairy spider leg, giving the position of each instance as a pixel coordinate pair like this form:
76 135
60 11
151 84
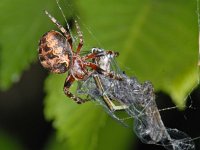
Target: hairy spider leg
68 82
105 52
96 54
80 44
62 29
111 75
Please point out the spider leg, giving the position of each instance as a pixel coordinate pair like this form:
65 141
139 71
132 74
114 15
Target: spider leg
112 75
106 99
62 29
105 52
68 82
80 37
100 54
92 55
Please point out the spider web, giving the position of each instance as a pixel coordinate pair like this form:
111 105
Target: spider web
171 139
140 100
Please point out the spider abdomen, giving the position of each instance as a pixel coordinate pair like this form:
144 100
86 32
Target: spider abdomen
54 52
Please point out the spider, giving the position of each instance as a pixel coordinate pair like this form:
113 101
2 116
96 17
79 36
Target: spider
56 53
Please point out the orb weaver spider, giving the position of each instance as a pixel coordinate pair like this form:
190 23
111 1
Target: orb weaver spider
57 54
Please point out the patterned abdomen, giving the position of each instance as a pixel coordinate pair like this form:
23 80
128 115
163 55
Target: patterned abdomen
54 52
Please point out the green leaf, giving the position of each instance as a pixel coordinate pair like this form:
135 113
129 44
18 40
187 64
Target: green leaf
54 144
22 24
115 136
81 126
157 40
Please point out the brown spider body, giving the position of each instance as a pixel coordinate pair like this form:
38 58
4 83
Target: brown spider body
56 54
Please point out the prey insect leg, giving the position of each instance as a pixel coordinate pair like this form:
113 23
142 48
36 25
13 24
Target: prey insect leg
106 99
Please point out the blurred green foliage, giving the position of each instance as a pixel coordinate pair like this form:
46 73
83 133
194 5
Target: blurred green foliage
8 142
22 24
157 41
